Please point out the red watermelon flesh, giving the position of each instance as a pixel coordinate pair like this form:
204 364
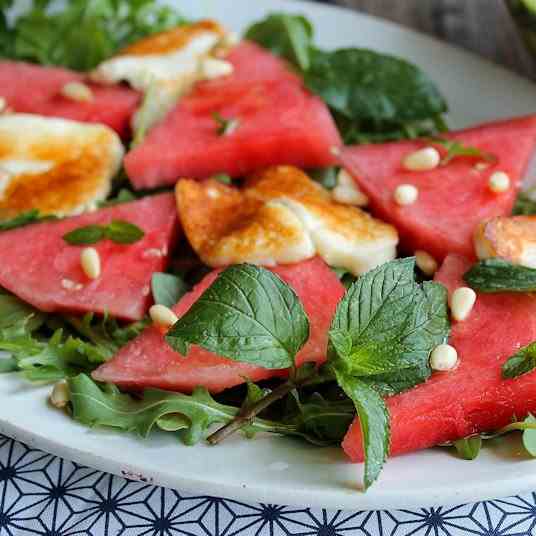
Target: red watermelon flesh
473 398
148 361
35 89
39 267
279 123
453 198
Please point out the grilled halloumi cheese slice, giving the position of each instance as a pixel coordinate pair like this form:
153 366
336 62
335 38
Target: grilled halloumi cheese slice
166 65
512 238
56 166
281 216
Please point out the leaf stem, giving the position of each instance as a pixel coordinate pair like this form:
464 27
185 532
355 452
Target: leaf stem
248 414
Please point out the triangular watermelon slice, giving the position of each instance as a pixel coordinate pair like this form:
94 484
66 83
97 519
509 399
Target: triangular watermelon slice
148 361
472 398
38 266
453 198
278 122
36 89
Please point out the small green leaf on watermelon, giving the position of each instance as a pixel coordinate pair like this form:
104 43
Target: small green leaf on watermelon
248 314
468 448
456 149
25 218
524 206
498 275
288 36
327 177
90 234
167 289
523 361
529 436
123 232
118 231
223 178
225 127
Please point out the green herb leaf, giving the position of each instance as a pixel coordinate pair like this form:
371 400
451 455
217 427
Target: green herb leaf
288 36
168 289
44 35
26 218
374 422
529 436
223 178
225 126
498 275
124 196
90 234
456 149
525 205
327 177
362 85
523 361
123 232
248 314
469 448
16 314
118 231
192 415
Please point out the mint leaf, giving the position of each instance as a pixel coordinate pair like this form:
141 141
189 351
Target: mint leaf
468 448
123 196
288 36
118 231
456 149
327 177
25 218
223 178
190 415
525 205
362 85
167 289
90 234
248 314
529 435
523 361
374 422
44 34
498 275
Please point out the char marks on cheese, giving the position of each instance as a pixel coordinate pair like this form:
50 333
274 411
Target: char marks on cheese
56 166
281 216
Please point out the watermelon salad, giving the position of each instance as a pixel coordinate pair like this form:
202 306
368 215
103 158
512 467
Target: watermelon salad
295 242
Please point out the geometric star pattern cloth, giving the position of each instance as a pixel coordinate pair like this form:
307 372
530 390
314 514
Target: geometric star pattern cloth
41 494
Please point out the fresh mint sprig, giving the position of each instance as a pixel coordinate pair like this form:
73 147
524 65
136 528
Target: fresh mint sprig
118 231
522 362
457 149
498 275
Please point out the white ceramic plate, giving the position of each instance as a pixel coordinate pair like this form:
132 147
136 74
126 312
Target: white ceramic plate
278 470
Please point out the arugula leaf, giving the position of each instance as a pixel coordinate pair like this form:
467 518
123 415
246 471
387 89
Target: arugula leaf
523 361
456 149
26 218
248 314
380 341
529 435
225 126
45 35
192 415
288 36
54 359
362 85
15 314
118 231
468 448
167 289
498 275
525 205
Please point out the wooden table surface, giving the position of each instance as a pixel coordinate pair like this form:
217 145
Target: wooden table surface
483 26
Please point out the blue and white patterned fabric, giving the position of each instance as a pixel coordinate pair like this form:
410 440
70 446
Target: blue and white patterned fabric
45 495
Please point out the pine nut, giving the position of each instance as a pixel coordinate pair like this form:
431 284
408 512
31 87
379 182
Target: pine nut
162 316
91 263
77 91
444 357
422 160
214 68
461 303
499 182
426 263
406 194
60 395
347 192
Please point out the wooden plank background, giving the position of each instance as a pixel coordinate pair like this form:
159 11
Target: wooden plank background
483 26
